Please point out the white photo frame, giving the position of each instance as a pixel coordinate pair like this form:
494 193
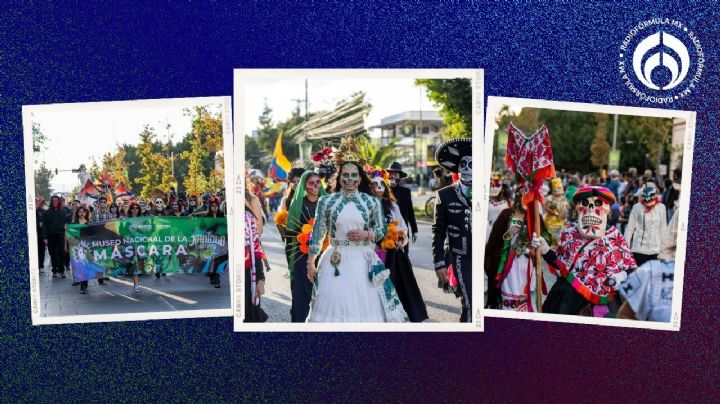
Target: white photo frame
494 105
90 107
240 76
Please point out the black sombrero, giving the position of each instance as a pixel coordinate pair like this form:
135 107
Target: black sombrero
449 153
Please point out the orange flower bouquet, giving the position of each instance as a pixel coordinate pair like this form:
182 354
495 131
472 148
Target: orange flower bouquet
391 241
305 235
281 218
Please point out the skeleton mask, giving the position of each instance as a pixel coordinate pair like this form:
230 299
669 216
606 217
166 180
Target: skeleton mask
350 178
495 187
592 216
312 185
378 185
159 204
649 196
465 170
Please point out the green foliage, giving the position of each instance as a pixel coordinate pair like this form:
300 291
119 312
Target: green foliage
38 137
454 97
600 148
42 182
150 174
255 156
375 155
581 141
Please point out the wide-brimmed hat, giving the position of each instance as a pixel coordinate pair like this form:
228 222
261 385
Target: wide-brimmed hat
449 153
397 167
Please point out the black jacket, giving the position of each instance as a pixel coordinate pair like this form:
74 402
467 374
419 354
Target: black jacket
453 221
53 222
404 201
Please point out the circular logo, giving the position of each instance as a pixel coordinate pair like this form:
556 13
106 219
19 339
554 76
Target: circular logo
661 60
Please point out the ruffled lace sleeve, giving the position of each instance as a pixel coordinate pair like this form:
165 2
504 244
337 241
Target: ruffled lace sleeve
320 228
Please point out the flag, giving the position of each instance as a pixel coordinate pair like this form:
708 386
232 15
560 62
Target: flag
88 193
530 158
121 192
280 165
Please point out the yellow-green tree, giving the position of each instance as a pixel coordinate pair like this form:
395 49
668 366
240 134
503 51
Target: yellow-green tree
205 142
150 176
600 148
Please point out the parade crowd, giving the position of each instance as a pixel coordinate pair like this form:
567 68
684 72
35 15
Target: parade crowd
609 241
347 229
52 220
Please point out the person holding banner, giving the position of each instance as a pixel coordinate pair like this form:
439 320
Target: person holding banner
82 216
214 212
137 266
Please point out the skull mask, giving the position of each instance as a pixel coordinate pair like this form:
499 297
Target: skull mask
159 204
465 170
378 185
592 216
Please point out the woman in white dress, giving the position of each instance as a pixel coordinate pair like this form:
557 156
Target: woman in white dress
353 284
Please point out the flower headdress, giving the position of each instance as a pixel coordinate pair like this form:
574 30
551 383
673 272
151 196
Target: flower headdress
324 157
348 152
377 171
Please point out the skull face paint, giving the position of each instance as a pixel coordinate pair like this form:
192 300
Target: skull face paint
465 170
394 179
349 178
312 185
159 204
378 186
592 217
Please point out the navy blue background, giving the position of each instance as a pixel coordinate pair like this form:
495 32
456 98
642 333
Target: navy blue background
62 53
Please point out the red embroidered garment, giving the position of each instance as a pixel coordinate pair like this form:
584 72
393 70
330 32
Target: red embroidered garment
606 255
253 252
531 159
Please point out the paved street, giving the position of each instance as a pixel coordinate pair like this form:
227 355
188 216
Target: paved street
442 307
173 292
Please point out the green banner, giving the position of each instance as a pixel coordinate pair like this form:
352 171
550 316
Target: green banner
148 245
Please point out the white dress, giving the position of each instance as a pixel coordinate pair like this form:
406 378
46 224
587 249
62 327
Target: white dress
513 292
358 289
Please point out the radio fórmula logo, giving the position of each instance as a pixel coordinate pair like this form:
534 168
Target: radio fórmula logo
661 60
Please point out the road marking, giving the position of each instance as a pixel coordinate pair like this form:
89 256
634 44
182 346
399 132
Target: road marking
158 292
128 297
168 303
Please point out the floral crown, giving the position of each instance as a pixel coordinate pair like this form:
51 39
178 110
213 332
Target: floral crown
375 172
324 157
348 152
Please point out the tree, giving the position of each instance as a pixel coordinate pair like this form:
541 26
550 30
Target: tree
205 161
149 176
600 148
255 156
380 156
42 182
454 97
38 137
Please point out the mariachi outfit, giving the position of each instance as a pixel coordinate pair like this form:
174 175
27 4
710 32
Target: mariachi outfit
588 266
453 222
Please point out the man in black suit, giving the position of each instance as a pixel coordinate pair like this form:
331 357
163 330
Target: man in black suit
404 199
453 222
